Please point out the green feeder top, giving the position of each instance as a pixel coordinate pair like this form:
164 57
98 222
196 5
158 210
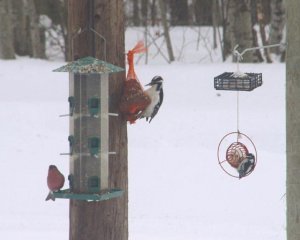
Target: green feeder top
89 65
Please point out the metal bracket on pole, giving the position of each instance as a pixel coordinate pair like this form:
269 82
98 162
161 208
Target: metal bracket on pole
239 55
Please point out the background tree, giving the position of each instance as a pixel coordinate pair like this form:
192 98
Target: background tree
293 121
105 220
277 23
262 23
6 35
239 27
136 11
202 12
163 14
179 12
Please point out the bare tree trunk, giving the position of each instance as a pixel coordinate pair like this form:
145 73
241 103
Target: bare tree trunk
277 23
215 14
240 26
35 32
202 11
105 220
6 32
257 54
144 11
227 48
21 39
293 121
153 13
136 17
179 12
166 30
261 22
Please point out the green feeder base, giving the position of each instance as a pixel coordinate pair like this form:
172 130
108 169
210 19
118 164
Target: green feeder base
112 193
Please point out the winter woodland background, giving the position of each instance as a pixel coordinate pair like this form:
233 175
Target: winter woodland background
38 28
177 191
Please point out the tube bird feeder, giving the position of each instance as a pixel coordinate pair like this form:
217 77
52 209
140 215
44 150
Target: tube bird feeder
89 130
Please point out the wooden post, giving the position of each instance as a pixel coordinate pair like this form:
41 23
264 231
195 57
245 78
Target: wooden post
293 120
105 220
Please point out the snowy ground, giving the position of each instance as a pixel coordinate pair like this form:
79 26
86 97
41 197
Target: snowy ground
177 191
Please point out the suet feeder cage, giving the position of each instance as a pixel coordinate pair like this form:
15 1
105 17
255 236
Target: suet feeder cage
232 150
238 81
89 130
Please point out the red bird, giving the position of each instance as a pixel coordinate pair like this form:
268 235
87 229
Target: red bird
55 181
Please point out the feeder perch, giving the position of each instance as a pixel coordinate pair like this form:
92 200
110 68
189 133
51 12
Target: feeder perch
238 81
232 150
89 130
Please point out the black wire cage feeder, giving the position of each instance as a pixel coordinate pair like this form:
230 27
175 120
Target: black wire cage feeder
237 81
232 150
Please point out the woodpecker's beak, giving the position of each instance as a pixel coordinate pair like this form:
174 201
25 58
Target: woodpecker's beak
149 84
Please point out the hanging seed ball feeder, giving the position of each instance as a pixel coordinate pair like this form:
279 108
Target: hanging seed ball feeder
233 149
236 153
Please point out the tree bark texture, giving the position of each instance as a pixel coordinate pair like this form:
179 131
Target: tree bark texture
6 31
277 23
293 121
105 220
239 26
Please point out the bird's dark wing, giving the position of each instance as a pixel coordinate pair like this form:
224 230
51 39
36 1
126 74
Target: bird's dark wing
157 106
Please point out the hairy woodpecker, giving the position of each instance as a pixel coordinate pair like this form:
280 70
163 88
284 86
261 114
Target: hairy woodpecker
246 165
156 94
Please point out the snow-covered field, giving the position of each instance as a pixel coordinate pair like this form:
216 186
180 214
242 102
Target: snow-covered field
177 191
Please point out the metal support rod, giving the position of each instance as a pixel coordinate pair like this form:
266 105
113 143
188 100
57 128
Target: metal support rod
104 152
240 55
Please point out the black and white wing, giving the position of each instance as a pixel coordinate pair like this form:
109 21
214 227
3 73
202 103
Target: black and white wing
157 106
